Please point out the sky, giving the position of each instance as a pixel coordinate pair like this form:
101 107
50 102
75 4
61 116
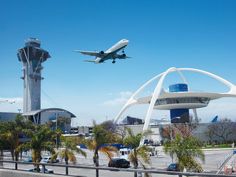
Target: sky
198 34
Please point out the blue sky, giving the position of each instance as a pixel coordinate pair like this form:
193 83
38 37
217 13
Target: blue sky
198 33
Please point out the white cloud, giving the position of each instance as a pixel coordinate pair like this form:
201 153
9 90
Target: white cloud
122 98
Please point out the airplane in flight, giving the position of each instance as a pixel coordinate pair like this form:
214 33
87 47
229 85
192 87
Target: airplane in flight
111 53
7 101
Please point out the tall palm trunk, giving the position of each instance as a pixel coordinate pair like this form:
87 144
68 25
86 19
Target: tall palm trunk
96 161
1 158
16 159
135 162
12 154
36 156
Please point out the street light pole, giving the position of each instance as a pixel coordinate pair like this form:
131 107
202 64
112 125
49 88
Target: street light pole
56 131
56 120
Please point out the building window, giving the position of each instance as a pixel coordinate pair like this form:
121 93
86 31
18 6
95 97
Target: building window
203 100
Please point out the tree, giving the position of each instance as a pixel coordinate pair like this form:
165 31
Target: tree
68 150
41 138
222 129
184 129
2 141
100 142
138 153
185 149
12 131
115 131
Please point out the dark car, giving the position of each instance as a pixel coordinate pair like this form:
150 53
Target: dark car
119 163
173 167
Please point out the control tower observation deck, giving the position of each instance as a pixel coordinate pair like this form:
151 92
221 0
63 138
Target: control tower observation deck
32 57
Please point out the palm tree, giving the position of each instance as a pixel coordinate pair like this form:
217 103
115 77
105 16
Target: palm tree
11 134
185 149
2 142
67 152
41 138
100 143
138 153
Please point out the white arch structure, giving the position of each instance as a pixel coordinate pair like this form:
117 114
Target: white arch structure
160 93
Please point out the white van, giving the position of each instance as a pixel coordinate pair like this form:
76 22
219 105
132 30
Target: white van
124 153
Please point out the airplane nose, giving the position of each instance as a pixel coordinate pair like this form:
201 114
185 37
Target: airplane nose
125 40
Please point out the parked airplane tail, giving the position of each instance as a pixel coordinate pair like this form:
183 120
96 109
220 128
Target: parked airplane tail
215 119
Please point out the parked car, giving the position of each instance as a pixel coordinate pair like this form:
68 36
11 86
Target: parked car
48 160
173 167
119 163
41 170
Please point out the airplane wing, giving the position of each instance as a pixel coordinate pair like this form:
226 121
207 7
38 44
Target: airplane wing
90 53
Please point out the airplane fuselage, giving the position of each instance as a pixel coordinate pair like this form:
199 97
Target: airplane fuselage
111 53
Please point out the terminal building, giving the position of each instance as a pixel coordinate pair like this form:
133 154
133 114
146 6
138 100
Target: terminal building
7 116
132 121
178 99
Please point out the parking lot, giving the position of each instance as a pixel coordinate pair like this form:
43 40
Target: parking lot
212 161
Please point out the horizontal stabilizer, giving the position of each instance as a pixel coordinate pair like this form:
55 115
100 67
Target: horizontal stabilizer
122 58
93 61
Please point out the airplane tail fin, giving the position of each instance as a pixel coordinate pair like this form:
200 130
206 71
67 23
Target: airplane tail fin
215 119
92 61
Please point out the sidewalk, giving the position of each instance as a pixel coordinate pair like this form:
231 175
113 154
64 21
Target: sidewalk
217 149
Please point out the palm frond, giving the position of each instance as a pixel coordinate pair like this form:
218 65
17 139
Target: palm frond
133 159
54 155
144 167
108 151
80 151
71 156
90 144
143 152
129 131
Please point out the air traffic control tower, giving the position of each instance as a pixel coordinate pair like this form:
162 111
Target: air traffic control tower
32 56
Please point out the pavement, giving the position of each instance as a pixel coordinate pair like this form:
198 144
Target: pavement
213 159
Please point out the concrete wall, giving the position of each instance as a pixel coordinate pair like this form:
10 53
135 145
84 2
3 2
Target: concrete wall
14 173
199 132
